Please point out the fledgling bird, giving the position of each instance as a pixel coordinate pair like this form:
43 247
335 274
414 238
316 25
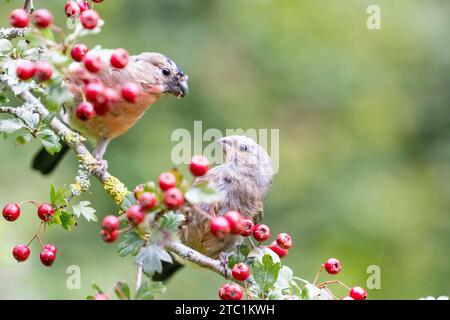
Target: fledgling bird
155 73
244 178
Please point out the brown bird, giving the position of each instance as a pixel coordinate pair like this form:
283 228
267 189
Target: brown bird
155 73
244 178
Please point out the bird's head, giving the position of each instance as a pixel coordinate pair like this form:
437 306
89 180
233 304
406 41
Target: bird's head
243 154
162 75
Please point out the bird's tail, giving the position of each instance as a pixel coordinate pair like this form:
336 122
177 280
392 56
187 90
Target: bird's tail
45 162
169 269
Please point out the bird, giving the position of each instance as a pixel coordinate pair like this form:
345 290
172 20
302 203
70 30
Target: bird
157 76
244 179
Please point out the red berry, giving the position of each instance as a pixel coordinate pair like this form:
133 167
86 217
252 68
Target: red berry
284 240
173 198
261 233
46 212
235 221
109 237
51 247
93 62
79 51
111 96
85 111
47 257
167 180
199 165
21 252
358 293
84 5
135 214
230 291
147 200
240 271
101 109
72 9
110 223
25 70
97 1
278 250
19 18
94 92
332 266
247 227
119 58
101 296
43 70
89 19
347 298
130 91
11 212
219 227
42 18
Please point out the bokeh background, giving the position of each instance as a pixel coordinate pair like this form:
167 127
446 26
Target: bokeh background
364 119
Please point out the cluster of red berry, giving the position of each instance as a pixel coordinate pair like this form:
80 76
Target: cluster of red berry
234 223
168 194
21 252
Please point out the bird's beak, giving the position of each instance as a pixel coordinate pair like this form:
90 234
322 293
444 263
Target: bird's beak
180 87
225 143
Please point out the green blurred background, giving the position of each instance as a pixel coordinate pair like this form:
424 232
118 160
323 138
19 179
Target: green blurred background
364 123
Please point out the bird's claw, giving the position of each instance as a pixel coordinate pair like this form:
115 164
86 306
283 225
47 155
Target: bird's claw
100 167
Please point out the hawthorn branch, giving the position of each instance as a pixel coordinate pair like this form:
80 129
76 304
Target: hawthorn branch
11 33
76 143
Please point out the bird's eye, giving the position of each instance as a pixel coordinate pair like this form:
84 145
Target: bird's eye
243 147
165 71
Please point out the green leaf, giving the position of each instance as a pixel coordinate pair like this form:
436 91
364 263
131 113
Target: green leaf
151 258
171 221
23 139
97 288
149 289
265 273
3 98
203 193
30 118
128 201
285 278
8 126
132 243
67 220
122 290
84 209
58 197
50 141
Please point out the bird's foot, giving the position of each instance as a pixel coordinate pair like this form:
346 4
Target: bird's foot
100 167
223 258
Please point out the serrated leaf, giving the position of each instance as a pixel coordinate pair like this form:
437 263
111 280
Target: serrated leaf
8 126
171 221
151 258
23 139
67 220
49 140
122 290
132 243
149 289
265 273
203 193
3 99
58 197
128 201
84 209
